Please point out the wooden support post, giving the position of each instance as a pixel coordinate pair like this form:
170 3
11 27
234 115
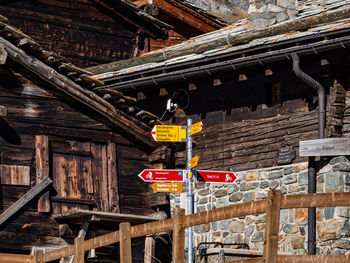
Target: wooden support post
272 226
125 243
150 244
42 169
79 250
38 256
179 237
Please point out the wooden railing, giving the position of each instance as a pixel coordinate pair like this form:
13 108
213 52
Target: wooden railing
272 206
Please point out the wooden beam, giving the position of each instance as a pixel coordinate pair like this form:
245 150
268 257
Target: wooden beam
125 243
313 258
42 157
179 237
249 208
185 16
150 250
16 258
130 21
38 256
315 200
325 147
131 126
81 234
112 178
248 260
272 226
27 197
79 250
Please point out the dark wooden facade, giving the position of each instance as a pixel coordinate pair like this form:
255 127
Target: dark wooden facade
92 166
83 31
246 125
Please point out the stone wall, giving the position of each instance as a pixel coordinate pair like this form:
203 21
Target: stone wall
333 229
263 13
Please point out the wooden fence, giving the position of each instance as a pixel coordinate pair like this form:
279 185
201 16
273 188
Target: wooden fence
272 206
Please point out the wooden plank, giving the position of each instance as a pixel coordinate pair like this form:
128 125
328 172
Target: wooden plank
325 147
38 256
249 208
59 253
133 127
201 24
315 200
112 176
79 250
27 197
151 228
179 236
248 260
272 226
125 243
16 258
81 234
42 161
104 185
150 250
15 175
313 258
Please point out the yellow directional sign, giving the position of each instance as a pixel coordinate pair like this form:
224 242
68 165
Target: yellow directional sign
197 127
194 161
168 187
169 133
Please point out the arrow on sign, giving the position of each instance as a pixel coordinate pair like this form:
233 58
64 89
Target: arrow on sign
169 133
197 127
152 175
194 161
168 187
216 177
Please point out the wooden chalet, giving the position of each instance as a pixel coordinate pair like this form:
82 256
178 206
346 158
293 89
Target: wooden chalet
240 83
69 158
93 32
259 91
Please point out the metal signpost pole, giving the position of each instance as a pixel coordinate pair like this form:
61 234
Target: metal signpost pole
190 193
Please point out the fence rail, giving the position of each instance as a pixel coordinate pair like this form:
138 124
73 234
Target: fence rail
271 206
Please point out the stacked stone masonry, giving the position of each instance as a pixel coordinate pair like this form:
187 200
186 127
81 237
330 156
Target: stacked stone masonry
333 228
263 13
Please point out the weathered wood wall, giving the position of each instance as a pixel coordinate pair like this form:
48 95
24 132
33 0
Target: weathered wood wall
244 128
89 163
75 29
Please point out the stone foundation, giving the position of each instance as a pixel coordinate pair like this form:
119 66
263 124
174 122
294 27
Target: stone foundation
333 229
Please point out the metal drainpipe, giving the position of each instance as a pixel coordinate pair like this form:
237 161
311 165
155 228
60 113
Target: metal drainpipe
311 245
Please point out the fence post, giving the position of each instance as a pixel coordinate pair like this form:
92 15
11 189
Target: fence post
272 226
125 243
79 250
38 256
149 250
179 236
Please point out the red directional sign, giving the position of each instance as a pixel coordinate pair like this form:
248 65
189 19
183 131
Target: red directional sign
216 177
152 175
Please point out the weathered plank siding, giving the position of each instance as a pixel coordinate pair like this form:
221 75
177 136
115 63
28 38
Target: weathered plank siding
81 148
76 30
254 143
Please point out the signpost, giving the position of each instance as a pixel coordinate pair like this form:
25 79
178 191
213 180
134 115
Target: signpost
216 177
168 187
176 133
152 175
169 133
